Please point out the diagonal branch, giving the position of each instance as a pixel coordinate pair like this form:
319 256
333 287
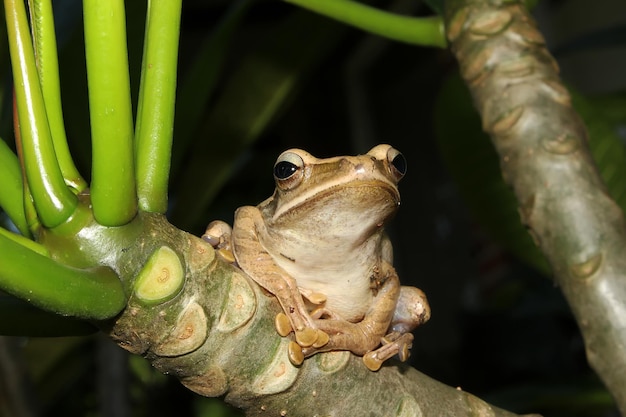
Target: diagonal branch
543 152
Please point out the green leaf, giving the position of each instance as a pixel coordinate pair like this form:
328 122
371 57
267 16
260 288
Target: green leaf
199 82
18 318
436 5
251 100
603 117
473 164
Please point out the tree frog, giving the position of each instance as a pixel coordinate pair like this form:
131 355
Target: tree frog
318 245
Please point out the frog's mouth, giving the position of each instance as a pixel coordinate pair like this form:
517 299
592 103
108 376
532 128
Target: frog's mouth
371 201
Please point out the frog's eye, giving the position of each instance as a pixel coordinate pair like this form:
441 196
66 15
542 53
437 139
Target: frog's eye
397 163
288 170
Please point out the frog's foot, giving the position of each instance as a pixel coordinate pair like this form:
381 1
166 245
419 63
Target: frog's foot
316 304
315 298
393 343
218 235
308 337
296 353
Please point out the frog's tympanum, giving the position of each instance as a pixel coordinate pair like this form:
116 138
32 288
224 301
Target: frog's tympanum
318 245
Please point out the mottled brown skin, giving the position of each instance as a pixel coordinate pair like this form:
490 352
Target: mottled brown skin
318 245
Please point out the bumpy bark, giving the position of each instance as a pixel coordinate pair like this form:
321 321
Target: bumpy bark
543 152
201 320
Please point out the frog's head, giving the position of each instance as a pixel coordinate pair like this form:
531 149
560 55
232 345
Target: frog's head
347 193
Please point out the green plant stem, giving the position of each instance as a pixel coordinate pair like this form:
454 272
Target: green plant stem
30 212
26 242
424 31
157 96
113 178
85 293
45 45
53 200
12 190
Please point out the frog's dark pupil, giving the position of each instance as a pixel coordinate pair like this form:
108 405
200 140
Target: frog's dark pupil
284 170
399 163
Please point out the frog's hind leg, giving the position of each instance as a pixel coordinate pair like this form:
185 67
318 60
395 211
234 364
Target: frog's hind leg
366 335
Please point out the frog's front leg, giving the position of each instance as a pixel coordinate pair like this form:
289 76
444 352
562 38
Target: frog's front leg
261 267
218 234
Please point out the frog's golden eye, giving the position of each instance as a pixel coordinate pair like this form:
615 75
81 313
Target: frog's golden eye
397 163
288 170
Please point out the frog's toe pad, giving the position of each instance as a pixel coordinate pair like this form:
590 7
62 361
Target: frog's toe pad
282 324
226 255
306 337
371 361
322 339
294 351
316 298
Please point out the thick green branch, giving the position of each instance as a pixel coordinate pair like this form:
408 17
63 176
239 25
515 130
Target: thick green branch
42 22
541 142
90 294
424 31
155 114
113 175
216 333
53 200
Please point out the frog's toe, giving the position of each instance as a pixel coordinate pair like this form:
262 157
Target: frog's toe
400 341
282 324
322 339
371 361
306 337
217 234
317 298
393 343
294 352
211 240
226 255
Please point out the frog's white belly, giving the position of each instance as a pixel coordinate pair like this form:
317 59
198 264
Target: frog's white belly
343 278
